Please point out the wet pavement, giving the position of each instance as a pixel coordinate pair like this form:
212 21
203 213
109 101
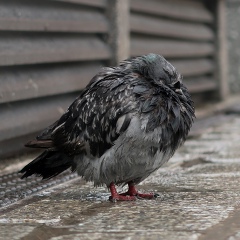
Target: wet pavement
199 196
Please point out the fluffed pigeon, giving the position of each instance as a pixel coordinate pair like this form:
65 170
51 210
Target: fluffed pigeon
125 125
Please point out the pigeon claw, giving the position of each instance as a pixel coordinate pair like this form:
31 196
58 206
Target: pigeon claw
131 195
119 197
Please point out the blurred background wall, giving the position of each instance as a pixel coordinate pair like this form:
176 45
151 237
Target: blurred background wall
233 36
50 49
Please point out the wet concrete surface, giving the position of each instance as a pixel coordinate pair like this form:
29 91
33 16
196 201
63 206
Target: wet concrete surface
199 194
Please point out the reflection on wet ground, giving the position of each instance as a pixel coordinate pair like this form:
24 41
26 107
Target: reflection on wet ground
198 199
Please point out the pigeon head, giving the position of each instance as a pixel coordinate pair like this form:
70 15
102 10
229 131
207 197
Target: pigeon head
158 70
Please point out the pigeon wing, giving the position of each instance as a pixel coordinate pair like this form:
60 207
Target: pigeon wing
91 124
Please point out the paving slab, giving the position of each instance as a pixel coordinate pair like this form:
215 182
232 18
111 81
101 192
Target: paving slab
199 196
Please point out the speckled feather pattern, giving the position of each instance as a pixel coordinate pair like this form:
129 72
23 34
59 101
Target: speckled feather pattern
126 123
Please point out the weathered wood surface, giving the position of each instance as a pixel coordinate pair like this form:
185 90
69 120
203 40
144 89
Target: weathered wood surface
194 67
36 16
169 28
183 10
221 72
21 83
19 119
201 84
119 34
170 48
25 49
93 3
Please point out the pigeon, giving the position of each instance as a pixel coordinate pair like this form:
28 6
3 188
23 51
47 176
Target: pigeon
126 123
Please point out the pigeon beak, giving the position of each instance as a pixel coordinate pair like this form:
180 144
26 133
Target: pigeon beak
178 90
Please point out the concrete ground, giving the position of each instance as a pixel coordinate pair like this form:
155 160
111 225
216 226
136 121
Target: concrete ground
199 194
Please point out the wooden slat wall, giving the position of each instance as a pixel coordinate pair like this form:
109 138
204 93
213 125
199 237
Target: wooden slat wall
49 50
181 31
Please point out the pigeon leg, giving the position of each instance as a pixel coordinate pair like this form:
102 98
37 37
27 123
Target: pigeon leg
118 197
132 191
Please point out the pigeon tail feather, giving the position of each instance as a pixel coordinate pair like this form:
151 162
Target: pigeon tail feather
48 165
40 144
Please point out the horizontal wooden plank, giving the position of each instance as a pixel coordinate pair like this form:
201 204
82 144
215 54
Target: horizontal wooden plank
25 16
28 49
169 28
170 48
194 67
19 83
183 10
201 84
48 25
93 3
21 118
15 146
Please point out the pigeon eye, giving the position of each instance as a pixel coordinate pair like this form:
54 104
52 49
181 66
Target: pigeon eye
177 85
